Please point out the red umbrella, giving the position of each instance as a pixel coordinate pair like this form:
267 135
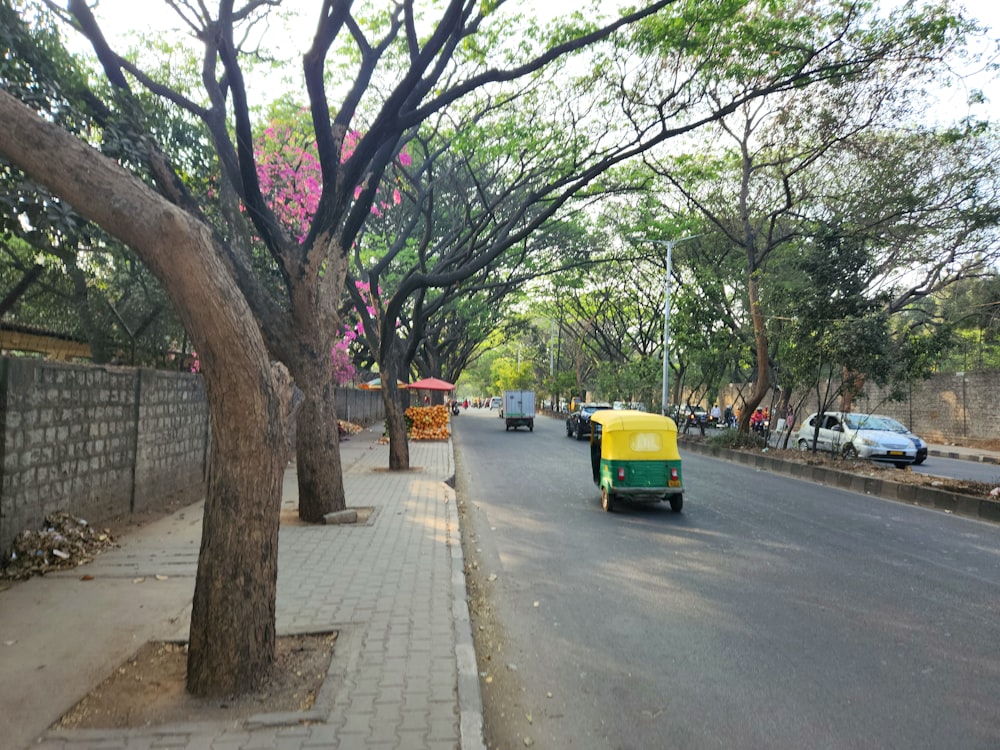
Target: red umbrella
431 384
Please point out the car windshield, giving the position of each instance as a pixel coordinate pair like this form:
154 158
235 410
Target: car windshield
892 425
873 422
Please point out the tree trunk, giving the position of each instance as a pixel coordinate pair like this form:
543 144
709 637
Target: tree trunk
763 384
233 616
395 424
97 334
395 416
307 353
231 642
853 383
317 451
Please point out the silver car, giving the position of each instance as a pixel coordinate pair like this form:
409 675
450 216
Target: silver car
856 436
888 423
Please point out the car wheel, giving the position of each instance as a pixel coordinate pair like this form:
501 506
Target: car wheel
676 503
569 430
850 452
607 500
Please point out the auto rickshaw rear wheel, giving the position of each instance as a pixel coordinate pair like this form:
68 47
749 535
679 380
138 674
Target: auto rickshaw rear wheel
676 503
607 500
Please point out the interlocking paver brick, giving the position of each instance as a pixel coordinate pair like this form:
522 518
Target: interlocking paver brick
393 586
358 722
411 740
321 736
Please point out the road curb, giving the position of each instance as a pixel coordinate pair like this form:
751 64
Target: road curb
967 506
975 458
470 701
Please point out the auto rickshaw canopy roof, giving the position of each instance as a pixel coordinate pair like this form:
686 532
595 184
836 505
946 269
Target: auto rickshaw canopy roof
623 419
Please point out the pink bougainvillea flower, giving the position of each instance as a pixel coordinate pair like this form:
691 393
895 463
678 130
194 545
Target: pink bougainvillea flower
291 179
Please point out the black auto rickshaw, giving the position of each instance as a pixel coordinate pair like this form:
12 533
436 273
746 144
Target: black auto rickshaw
634 455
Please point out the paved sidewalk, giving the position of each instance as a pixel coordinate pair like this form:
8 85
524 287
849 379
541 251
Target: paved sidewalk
403 673
979 455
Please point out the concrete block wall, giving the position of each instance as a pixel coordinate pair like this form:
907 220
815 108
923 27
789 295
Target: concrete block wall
69 441
948 408
953 408
362 407
102 442
173 437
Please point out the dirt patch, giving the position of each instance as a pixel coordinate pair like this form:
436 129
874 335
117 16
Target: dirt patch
148 689
502 693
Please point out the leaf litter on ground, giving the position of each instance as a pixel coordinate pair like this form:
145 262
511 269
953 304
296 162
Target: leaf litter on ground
64 541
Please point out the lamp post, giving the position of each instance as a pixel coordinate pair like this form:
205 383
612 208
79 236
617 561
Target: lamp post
666 311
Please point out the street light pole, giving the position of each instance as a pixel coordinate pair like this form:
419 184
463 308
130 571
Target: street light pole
666 331
666 312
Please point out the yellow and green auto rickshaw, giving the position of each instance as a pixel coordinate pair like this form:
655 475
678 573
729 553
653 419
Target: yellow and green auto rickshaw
634 455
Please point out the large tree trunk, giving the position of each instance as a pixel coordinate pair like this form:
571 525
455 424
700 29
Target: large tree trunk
763 384
317 449
395 416
232 621
307 353
395 425
231 643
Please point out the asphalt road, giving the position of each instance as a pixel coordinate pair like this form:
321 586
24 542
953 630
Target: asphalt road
959 469
772 613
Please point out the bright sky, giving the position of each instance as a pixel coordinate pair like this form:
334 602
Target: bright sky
118 19
987 12
119 16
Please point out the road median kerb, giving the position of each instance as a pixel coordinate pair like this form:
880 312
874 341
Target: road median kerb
955 503
961 457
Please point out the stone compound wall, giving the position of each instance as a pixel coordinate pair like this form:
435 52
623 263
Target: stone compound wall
97 441
948 409
954 408
171 457
103 442
362 407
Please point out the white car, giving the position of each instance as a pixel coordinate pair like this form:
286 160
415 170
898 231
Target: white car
856 436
